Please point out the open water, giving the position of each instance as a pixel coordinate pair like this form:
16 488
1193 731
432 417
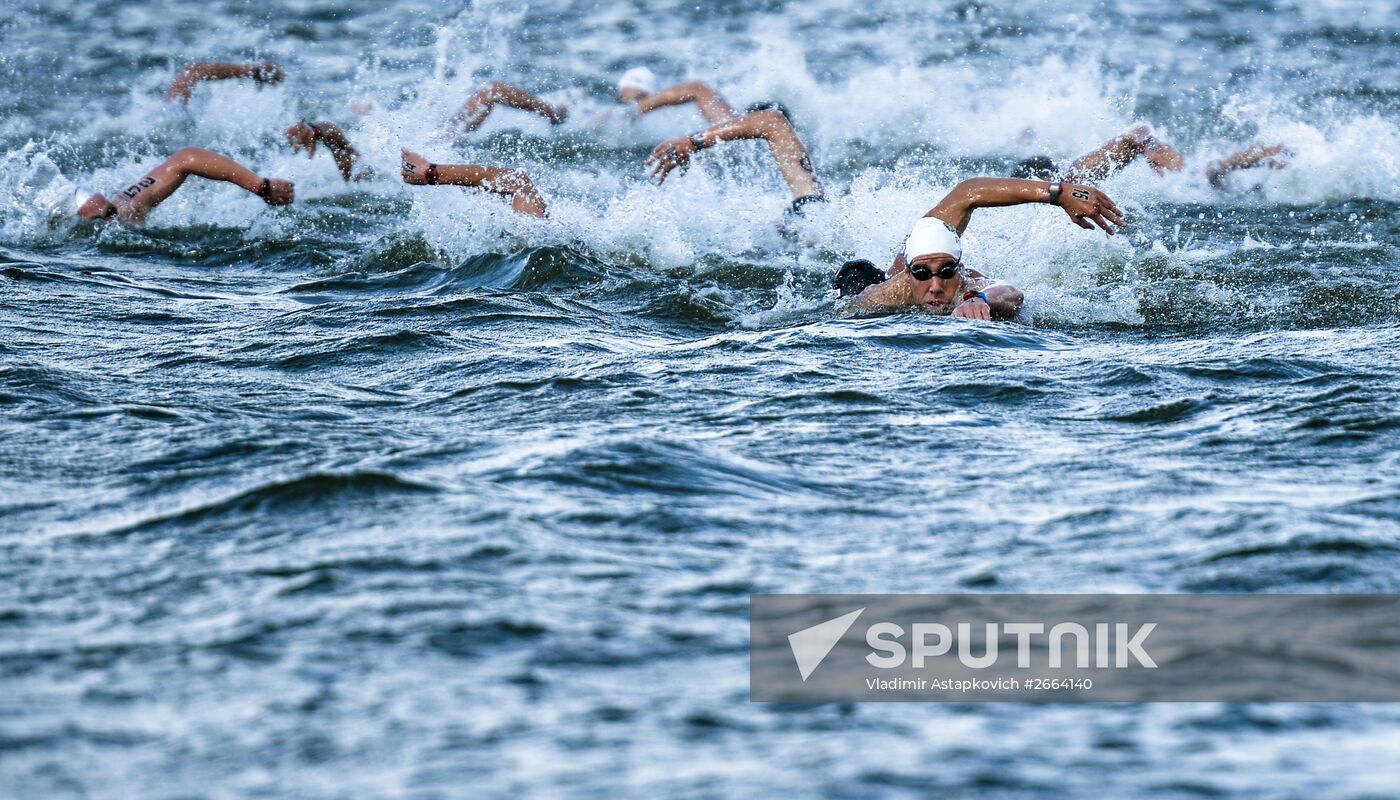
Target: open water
393 493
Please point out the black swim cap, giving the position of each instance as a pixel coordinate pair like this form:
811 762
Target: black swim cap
769 105
1036 168
856 276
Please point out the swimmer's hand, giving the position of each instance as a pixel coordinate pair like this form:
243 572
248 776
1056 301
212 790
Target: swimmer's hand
976 308
279 192
557 114
414 168
302 137
268 72
1162 157
1088 206
1272 153
669 155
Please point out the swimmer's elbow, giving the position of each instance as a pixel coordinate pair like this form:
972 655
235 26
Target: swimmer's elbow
1007 302
770 122
186 158
517 181
966 193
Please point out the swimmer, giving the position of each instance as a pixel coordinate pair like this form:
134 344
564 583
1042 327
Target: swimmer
417 171
1121 151
928 274
771 125
132 204
194 74
478 107
305 135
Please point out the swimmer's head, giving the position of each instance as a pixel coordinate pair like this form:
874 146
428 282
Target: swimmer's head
933 256
92 205
855 277
1036 168
769 105
635 84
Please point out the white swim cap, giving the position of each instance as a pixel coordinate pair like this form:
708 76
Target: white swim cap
81 194
932 235
638 78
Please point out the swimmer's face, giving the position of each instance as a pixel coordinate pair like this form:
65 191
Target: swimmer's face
935 290
97 207
630 95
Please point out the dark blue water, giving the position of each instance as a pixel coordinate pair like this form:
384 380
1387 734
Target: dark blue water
393 493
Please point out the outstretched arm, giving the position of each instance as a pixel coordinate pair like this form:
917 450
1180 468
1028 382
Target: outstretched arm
193 74
1120 151
478 107
713 106
305 135
772 126
996 301
1245 159
135 201
1085 205
498 180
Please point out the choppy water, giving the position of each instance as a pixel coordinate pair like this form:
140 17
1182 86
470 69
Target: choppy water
395 493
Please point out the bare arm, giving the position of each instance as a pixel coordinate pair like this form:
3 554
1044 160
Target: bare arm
895 292
1120 151
193 74
478 107
1245 159
1003 300
772 126
713 106
1084 204
497 180
305 136
137 200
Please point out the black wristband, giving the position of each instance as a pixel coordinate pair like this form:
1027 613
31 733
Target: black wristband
698 139
1055 193
431 175
264 188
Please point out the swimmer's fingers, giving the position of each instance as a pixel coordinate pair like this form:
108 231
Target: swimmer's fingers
1078 220
280 192
655 164
973 310
1107 209
1115 216
293 135
665 158
301 138
1099 220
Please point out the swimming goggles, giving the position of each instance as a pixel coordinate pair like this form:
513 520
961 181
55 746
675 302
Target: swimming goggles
919 272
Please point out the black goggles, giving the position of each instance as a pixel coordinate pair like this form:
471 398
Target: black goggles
919 272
